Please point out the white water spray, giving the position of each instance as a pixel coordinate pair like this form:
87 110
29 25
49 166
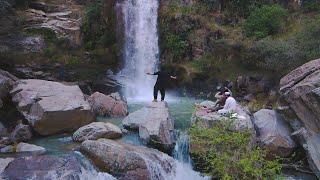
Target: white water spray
141 51
184 169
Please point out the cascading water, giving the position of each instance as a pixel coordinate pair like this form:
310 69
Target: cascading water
141 51
184 169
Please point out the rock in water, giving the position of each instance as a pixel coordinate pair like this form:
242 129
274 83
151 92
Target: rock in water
43 167
129 162
155 125
110 105
23 148
52 107
274 133
97 130
21 133
300 90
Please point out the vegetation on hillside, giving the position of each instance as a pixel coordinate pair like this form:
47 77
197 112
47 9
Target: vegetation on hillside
226 38
227 154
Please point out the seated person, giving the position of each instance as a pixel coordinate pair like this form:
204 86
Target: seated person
230 105
221 98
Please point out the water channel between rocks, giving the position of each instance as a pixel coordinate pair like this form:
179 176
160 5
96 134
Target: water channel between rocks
180 109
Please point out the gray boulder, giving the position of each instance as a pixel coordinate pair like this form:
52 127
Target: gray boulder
52 107
111 105
43 167
4 163
97 130
242 119
155 125
23 148
21 133
300 91
127 161
274 133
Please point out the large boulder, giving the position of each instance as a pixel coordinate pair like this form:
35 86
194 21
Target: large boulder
155 125
242 119
97 130
127 161
111 105
21 133
70 166
300 91
274 133
52 107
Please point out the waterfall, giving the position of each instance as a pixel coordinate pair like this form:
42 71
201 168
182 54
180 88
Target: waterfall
184 169
141 51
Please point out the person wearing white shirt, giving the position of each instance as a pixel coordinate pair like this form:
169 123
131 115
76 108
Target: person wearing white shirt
230 105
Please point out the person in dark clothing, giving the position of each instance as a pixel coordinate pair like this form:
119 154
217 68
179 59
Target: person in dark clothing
162 80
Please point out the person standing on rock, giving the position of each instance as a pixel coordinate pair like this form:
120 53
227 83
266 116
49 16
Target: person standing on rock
162 80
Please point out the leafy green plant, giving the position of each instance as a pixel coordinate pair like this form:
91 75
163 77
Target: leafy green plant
227 154
265 20
311 6
175 44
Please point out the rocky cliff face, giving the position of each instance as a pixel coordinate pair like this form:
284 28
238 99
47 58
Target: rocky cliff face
300 90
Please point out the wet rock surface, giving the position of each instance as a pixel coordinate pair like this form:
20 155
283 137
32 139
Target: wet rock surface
21 133
155 125
43 167
300 91
127 161
108 105
97 130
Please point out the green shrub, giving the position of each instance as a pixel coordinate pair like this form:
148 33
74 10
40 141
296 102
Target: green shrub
311 6
227 154
175 44
264 21
308 40
98 31
273 55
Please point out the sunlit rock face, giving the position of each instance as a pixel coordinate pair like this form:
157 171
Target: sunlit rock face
155 125
274 133
126 161
52 107
300 91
